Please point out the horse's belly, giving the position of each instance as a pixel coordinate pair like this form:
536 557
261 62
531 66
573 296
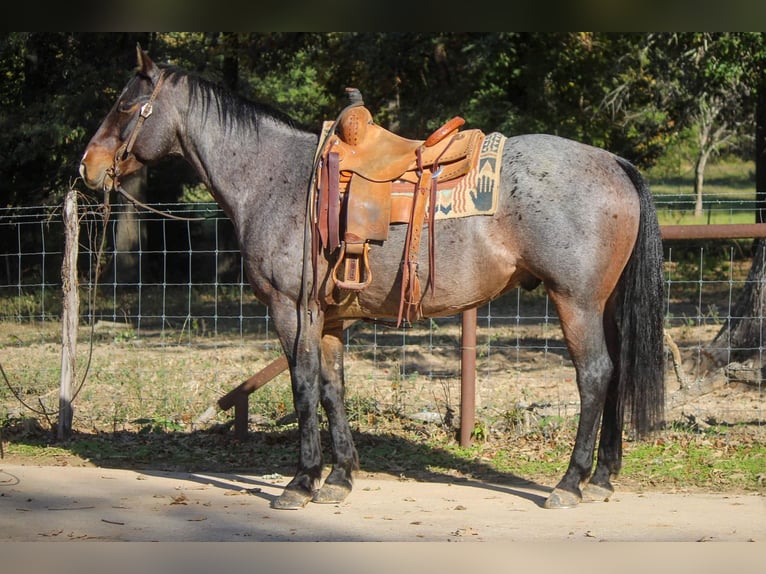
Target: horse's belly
463 279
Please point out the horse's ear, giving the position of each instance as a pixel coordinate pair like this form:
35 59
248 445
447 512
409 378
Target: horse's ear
146 67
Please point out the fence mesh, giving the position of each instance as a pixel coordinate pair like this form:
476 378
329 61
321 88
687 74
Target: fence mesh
174 326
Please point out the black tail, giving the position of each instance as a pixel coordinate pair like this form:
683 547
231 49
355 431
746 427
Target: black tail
640 318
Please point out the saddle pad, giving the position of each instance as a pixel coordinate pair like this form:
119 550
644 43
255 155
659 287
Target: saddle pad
477 192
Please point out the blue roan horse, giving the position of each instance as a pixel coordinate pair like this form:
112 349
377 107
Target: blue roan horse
576 218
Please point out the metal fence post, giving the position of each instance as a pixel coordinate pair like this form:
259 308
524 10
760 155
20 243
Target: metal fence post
468 377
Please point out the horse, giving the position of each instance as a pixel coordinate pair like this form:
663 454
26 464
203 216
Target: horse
576 218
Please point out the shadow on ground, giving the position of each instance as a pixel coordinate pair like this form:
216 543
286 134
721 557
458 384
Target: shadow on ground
262 453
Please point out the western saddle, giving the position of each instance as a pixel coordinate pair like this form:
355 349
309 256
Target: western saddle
369 178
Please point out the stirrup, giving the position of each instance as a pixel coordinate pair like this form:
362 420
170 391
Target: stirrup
356 263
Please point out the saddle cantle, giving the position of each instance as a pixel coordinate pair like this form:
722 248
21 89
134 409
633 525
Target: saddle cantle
369 178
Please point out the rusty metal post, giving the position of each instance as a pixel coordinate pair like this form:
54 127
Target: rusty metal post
713 231
253 383
468 377
238 397
241 408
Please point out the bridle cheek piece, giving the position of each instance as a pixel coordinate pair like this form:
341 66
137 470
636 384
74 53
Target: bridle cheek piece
126 148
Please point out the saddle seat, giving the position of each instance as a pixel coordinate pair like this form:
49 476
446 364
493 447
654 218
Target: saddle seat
377 154
370 178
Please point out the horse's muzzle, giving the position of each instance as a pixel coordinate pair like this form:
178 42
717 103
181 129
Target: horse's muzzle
103 171
101 182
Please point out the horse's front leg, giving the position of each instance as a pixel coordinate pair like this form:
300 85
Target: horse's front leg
332 394
304 359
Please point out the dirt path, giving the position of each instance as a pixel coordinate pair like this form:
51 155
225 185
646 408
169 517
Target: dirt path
39 503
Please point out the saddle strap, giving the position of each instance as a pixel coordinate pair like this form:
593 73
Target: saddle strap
409 300
333 197
323 204
329 202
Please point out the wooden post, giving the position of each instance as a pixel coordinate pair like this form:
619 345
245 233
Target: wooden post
71 313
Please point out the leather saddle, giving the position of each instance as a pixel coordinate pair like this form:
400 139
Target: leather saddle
369 178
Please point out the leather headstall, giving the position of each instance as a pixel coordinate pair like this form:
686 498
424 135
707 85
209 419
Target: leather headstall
127 147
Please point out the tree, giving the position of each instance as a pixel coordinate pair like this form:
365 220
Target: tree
744 330
599 88
55 87
713 68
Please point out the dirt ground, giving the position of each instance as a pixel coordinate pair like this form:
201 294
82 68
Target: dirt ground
68 503
39 503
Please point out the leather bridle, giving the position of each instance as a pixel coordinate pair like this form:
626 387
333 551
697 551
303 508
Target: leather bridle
126 148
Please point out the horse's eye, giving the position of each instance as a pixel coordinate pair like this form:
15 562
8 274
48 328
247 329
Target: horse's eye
124 107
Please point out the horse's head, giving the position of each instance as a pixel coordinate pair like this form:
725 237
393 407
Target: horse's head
131 134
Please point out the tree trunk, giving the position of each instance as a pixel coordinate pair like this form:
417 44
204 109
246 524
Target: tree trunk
230 66
699 179
741 336
760 150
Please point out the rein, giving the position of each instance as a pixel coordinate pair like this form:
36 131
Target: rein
118 188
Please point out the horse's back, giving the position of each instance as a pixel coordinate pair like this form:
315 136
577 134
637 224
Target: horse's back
550 168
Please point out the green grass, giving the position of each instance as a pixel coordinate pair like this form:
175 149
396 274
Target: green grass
708 460
725 460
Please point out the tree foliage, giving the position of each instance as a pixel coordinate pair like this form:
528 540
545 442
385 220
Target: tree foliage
630 93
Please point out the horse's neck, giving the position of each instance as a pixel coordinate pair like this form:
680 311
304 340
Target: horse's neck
267 163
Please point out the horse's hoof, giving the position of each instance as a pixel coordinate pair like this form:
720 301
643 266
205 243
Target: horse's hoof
331 494
291 500
596 493
562 499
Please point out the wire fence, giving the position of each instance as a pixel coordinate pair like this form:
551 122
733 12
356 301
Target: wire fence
720 208
174 326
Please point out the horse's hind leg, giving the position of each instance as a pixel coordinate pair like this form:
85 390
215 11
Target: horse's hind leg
339 482
599 487
583 330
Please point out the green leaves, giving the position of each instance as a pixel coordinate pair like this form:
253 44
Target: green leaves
628 92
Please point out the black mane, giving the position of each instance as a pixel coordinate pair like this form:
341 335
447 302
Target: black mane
231 109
